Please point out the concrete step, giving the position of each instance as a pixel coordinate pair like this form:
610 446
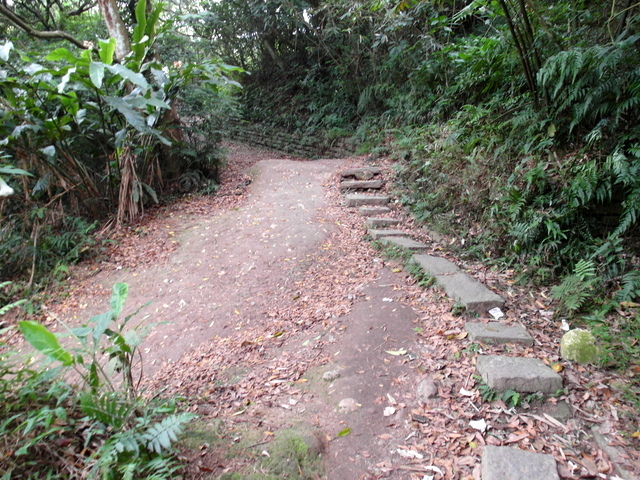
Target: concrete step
458 285
356 200
509 463
377 234
376 222
521 374
360 185
497 333
405 243
370 211
364 173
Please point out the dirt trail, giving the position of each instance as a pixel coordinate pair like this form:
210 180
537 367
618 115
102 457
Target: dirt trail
229 266
258 302
272 312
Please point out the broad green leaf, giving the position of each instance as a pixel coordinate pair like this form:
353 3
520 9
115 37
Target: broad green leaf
70 102
44 341
96 73
141 19
150 191
102 321
5 50
85 55
130 75
118 297
11 170
134 118
107 50
62 54
81 332
65 79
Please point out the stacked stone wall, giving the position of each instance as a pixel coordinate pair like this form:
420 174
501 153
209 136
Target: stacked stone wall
306 146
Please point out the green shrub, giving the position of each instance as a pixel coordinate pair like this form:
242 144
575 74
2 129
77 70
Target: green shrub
73 418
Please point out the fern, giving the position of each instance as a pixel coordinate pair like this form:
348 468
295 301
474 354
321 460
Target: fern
630 288
160 436
576 288
108 408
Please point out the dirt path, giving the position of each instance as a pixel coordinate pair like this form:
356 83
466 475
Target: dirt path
256 303
273 312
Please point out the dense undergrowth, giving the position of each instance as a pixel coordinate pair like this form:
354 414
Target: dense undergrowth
81 414
513 124
88 139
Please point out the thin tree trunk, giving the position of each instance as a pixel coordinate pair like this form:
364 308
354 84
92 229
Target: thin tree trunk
116 27
526 65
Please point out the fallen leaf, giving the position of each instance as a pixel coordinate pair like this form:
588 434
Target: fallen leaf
345 432
480 425
401 351
557 367
409 454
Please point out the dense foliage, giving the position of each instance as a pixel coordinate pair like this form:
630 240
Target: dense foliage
514 122
82 415
88 136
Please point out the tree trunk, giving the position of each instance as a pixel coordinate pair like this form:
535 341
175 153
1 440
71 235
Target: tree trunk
116 27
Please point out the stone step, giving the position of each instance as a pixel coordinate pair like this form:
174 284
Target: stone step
375 222
369 211
496 333
405 243
509 463
521 374
356 200
377 234
458 285
364 173
360 185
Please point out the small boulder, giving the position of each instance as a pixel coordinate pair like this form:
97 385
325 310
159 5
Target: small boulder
348 405
579 345
427 390
331 375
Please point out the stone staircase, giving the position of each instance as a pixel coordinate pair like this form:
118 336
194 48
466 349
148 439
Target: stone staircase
499 372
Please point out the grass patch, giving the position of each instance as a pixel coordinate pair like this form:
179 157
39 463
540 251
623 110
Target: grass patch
294 453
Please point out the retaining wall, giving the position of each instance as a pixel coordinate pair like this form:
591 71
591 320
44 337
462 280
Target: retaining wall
307 146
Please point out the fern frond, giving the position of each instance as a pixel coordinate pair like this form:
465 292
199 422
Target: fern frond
108 408
584 269
160 436
577 288
630 288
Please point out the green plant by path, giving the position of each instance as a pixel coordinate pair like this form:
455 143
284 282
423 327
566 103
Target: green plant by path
83 416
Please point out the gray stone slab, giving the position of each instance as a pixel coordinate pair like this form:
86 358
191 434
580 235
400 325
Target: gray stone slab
618 457
356 200
458 285
374 210
469 292
377 234
509 463
404 242
360 185
436 265
361 172
375 222
528 375
496 333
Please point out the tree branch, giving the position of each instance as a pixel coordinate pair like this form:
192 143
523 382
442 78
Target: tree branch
48 35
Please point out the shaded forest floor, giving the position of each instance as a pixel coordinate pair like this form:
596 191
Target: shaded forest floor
272 312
